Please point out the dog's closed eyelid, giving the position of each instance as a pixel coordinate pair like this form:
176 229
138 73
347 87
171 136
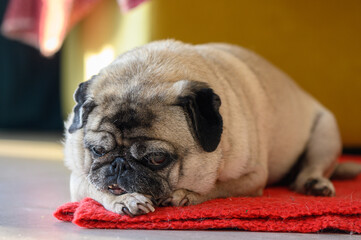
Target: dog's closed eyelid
159 146
101 138
139 151
98 151
105 148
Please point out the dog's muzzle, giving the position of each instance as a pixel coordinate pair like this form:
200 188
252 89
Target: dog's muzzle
118 166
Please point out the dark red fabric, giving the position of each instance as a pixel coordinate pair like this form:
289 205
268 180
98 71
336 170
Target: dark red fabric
278 210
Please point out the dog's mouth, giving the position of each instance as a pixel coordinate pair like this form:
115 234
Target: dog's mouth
116 190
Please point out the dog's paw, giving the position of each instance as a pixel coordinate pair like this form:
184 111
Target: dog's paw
180 198
319 187
130 204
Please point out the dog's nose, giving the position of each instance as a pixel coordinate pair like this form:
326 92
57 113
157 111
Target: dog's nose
119 165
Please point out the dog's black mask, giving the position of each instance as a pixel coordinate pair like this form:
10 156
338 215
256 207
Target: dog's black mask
128 175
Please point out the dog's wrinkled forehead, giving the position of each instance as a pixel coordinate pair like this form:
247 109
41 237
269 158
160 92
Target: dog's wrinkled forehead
129 105
128 115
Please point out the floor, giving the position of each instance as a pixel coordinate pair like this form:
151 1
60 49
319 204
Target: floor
31 189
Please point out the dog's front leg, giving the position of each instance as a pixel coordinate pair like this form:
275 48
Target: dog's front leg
130 204
251 184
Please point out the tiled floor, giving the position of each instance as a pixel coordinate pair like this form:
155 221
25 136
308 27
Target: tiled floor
30 190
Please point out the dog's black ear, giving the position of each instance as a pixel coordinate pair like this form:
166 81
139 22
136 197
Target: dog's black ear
82 108
202 109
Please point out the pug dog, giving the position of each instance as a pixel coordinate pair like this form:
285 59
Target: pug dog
175 124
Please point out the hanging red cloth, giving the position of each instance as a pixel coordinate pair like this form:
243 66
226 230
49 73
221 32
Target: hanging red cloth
44 24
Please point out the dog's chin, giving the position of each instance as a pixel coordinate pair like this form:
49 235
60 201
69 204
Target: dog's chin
116 189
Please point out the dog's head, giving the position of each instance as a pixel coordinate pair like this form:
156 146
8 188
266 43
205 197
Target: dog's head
149 137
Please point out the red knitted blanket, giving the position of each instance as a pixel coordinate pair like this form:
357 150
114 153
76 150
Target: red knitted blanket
278 210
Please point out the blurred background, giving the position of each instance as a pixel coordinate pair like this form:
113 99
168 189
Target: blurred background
48 47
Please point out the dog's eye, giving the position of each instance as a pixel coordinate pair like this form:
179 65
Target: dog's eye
156 159
98 151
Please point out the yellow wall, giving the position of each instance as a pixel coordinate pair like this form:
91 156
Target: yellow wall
97 40
318 43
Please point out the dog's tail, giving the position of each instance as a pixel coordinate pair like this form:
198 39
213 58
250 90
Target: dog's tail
346 170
